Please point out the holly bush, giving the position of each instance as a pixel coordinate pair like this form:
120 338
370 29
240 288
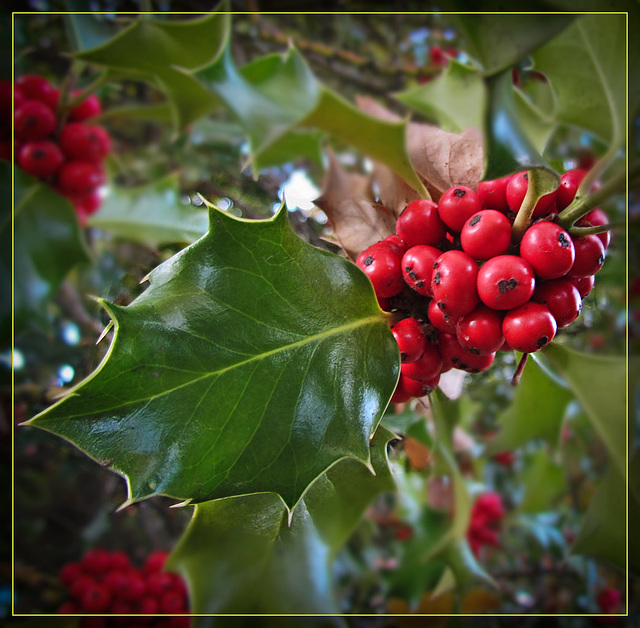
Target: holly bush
245 373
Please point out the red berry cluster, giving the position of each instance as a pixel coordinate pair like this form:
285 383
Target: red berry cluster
460 289
67 153
104 582
486 514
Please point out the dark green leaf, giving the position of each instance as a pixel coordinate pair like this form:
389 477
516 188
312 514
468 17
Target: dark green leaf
48 243
586 67
543 482
252 363
603 534
455 100
508 147
501 41
84 29
151 214
294 145
537 123
537 411
161 112
599 384
239 555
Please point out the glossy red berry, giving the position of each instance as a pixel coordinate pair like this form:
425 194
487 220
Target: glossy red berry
457 205
96 561
597 218
529 327
417 267
88 108
420 388
78 178
549 249
590 256
419 223
382 265
486 235
583 284
562 298
70 572
171 603
427 367
505 282
401 394
33 121
569 183
454 355
35 87
86 205
480 331
516 191
493 194
85 142
395 243
453 283
96 599
440 319
155 562
411 341
41 158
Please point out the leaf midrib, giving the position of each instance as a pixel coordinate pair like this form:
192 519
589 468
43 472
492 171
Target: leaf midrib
334 331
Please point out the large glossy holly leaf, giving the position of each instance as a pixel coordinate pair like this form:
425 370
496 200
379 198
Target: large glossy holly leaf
454 101
168 52
499 41
47 242
536 107
252 363
586 66
603 533
537 411
599 384
508 147
151 214
241 555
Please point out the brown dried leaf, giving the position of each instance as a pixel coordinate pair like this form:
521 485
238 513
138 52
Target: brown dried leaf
441 159
356 219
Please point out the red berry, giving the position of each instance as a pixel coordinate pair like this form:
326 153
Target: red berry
493 194
427 367
516 191
562 298
96 599
171 603
456 356
419 388
96 561
35 87
490 505
85 142
155 562
117 581
597 218
453 283
549 249
583 284
480 331
77 178
486 235
569 183
119 560
505 282
441 320
70 573
33 121
419 223
457 205
86 109
395 243
159 583
136 587
411 341
437 56
80 586
87 205
590 256
417 267
41 158
529 327
382 265
147 606
401 393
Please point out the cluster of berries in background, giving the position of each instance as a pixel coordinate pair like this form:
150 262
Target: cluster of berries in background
107 582
54 145
460 289
486 514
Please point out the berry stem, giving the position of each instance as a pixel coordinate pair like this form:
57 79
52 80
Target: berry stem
515 380
584 231
65 89
523 217
88 90
584 204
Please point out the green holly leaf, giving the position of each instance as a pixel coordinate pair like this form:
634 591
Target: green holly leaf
500 41
508 146
543 482
167 53
277 93
151 214
455 100
537 411
585 65
599 384
241 555
86 30
48 243
535 113
252 363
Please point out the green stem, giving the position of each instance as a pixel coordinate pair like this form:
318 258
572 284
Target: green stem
594 173
67 85
523 217
88 90
584 204
584 231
